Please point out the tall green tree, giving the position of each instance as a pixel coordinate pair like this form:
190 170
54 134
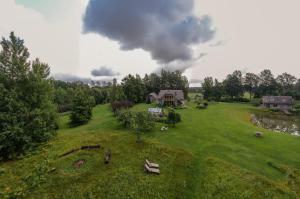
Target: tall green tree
82 107
152 83
27 112
116 92
286 83
134 88
297 90
251 83
233 86
175 81
218 90
207 87
268 84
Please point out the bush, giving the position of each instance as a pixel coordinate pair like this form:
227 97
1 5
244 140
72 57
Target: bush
237 99
81 108
125 117
201 106
256 102
119 105
173 117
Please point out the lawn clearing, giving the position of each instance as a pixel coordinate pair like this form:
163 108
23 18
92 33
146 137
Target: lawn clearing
212 153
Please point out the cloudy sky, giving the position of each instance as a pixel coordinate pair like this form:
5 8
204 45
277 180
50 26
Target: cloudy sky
111 38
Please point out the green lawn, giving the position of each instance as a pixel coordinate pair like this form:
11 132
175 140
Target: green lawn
212 153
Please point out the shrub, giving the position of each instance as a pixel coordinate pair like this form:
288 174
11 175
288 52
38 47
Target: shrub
118 105
237 99
173 117
125 118
256 101
201 106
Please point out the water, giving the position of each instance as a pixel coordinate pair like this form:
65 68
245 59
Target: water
277 123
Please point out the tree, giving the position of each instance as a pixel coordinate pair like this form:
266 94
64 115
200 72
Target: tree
175 81
207 87
217 90
27 112
267 85
134 88
141 122
297 90
116 92
82 107
286 83
173 117
152 83
251 83
233 86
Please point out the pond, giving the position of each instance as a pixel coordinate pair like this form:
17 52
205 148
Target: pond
278 123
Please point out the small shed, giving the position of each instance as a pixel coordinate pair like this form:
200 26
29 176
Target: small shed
155 111
278 102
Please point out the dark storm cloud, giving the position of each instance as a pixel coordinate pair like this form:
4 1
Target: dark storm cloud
103 71
165 28
73 78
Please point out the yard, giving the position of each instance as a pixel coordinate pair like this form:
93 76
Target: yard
212 153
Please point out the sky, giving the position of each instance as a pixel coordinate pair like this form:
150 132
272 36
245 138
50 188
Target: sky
103 39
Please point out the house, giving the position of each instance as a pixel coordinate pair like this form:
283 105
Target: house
278 102
168 97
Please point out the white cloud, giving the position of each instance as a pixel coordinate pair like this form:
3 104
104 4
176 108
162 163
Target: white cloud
55 42
257 34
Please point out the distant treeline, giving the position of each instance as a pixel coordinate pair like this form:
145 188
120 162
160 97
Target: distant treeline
132 88
257 85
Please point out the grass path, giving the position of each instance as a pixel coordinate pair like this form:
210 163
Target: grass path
212 153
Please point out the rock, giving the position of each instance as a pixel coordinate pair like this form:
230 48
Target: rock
258 134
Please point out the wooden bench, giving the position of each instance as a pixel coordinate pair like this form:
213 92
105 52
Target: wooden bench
151 170
152 165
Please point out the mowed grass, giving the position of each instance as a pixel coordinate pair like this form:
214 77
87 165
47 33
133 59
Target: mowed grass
212 153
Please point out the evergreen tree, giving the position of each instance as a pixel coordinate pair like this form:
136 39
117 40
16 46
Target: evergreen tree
81 108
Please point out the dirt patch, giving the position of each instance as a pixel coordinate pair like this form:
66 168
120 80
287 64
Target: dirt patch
78 163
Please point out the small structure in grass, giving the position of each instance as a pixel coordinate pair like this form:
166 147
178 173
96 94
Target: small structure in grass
78 163
258 134
107 156
151 167
156 111
164 128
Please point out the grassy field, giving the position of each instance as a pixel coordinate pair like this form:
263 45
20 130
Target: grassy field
212 153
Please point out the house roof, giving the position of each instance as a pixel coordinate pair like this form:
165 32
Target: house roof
153 94
278 100
178 94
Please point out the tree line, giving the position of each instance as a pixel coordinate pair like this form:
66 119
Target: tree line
257 85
